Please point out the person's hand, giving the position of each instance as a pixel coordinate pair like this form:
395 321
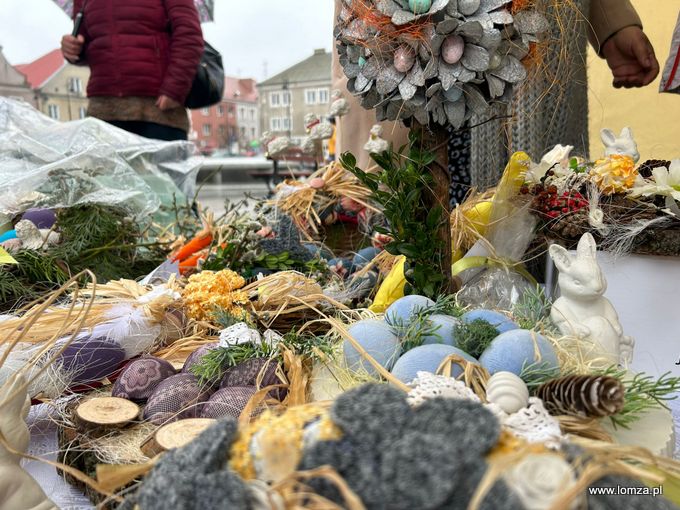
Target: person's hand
631 58
72 47
167 103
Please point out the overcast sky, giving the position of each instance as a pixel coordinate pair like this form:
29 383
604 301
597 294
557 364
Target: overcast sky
248 33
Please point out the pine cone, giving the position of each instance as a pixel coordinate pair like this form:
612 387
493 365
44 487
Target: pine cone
645 169
589 396
571 226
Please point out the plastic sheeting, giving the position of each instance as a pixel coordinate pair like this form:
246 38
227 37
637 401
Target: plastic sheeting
52 164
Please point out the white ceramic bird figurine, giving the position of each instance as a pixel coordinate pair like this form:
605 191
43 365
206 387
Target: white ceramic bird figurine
18 489
317 130
376 144
33 238
340 105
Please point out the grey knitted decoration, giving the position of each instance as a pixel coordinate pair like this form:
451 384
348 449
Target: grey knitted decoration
551 107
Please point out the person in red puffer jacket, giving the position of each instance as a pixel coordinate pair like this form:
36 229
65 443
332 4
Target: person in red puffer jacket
143 56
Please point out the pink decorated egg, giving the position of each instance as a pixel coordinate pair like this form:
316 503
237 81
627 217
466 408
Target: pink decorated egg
317 183
404 58
196 356
175 398
140 378
452 49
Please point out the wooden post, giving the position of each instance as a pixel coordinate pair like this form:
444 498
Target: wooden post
435 138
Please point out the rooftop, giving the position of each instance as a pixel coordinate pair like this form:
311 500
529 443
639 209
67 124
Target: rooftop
240 89
42 69
314 68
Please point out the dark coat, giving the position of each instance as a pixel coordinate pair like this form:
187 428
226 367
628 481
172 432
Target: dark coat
142 48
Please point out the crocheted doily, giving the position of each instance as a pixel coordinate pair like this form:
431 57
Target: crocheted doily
533 423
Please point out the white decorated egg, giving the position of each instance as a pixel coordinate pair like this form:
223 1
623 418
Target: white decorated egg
507 391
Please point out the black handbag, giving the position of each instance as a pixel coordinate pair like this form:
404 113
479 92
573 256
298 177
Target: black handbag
208 86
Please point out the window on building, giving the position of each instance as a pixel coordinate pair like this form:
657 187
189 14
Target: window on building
252 133
75 85
243 132
231 109
252 113
241 113
310 96
207 129
220 110
275 99
82 112
53 111
286 124
323 96
285 98
275 124
222 130
205 111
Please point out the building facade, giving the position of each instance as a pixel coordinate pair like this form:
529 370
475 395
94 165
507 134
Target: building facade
59 87
231 125
13 83
286 98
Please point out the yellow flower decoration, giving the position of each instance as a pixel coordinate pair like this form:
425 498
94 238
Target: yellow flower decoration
208 291
614 174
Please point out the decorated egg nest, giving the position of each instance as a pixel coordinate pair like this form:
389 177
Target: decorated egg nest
439 61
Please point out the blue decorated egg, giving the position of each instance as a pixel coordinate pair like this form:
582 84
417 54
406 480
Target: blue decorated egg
365 256
445 330
419 6
500 321
379 341
8 236
512 350
90 360
427 358
41 218
401 312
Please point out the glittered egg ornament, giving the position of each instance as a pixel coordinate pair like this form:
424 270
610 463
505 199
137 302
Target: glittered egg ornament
140 378
452 49
377 339
444 330
513 350
90 360
177 397
507 391
501 322
404 58
419 6
427 358
403 310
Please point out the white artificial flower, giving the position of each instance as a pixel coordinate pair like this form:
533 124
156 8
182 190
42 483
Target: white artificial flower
557 159
664 182
539 479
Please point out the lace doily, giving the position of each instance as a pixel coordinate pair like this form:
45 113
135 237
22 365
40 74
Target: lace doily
533 423
427 385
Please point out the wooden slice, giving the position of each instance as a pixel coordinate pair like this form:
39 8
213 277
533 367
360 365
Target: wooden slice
107 412
174 435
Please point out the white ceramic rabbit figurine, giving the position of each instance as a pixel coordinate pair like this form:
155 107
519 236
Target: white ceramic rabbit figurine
622 144
18 489
582 310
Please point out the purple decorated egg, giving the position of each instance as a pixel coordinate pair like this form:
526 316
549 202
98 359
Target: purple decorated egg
41 218
90 360
197 356
452 49
141 377
175 398
229 402
404 58
252 371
